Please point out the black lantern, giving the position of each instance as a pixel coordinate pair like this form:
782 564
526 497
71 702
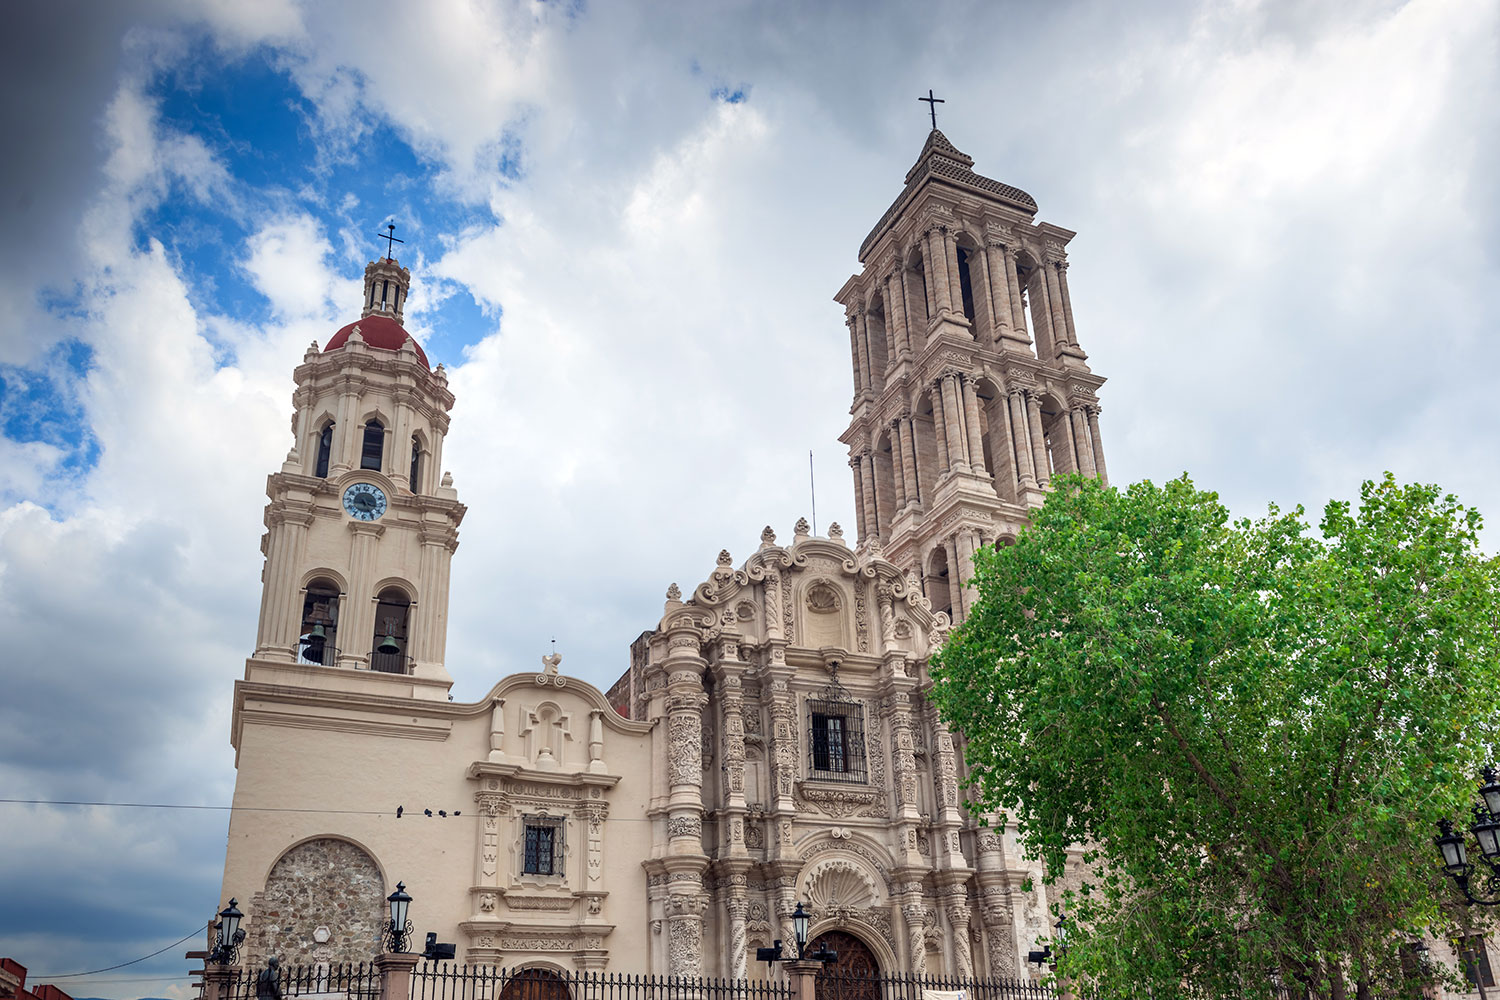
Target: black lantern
230 934
1061 927
1490 791
399 933
1486 830
1451 846
800 921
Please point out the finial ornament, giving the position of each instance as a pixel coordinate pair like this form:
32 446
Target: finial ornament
932 103
550 661
674 593
834 531
725 559
768 537
801 527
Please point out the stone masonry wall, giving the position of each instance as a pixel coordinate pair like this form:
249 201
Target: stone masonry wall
324 901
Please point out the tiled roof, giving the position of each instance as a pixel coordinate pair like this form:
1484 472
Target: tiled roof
943 160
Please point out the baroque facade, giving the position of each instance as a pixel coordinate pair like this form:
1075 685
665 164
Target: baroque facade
771 742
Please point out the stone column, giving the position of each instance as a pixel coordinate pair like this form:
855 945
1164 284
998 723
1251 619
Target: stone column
955 579
999 287
958 927
1081 441
493 807
736 909
344 452
1098 442
984 313
874 367
914 916
1067 303
945 465
895 312
855 349
966 544
427 633
281 593
908 458
916 459
867 477
1004 408
684 858
357 625
955 281
859 499
937 271
971 415
1055 307
1038 441
898 465
395 974
1013 283
953 424
1020 441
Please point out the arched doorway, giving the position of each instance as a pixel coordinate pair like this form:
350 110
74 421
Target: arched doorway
535 984
854 976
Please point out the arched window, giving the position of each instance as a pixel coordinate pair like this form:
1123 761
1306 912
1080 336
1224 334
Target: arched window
389 654
318 640
966 283
325 448
416 464
374 446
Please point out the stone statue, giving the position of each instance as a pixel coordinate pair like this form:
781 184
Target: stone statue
268 983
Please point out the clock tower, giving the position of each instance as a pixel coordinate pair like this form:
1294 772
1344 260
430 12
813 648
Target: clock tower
362 524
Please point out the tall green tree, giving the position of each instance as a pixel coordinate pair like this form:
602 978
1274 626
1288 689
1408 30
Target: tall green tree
1249 726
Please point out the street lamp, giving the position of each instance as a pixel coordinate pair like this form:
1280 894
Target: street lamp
398 933
800 921
1486 829
1062 932
229 935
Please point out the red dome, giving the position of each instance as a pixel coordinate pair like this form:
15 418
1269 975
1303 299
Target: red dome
378 331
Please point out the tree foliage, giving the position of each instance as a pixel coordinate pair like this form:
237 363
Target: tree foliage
1249 726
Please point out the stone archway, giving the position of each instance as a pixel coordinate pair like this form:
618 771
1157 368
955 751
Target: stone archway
856 974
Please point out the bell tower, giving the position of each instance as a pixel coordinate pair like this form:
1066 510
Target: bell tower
970 388
362 524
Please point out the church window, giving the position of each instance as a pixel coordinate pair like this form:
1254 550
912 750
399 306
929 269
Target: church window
374 446
385 288
1476 961
836 737
416 464
325 448
318 640
542 846
392 620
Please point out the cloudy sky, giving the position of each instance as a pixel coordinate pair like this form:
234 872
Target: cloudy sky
625 224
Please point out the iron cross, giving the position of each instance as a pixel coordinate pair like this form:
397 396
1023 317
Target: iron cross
390 235
932 103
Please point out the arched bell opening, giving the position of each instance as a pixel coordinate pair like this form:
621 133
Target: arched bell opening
936 583
969 263
1034 286
325 450
918 301
317 641
1058 435
372 449
390 652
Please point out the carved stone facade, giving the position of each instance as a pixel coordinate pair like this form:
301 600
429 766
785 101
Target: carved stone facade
772 740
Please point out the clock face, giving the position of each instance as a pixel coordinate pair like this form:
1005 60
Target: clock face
364 501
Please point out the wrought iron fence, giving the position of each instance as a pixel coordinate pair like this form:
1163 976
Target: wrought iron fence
389 663
354 981
835 985
446 981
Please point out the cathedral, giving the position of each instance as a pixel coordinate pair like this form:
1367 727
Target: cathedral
771 742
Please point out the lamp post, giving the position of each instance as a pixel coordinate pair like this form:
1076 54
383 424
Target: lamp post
229 934
1454 852
398 934
801 922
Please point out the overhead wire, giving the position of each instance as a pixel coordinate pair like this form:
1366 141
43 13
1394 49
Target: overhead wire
75 975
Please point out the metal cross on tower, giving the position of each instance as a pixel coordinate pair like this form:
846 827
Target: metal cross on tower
932 103
390 236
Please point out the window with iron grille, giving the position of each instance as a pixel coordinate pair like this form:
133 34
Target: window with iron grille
543 846
836 738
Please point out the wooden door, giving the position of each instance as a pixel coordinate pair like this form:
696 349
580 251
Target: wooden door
855 976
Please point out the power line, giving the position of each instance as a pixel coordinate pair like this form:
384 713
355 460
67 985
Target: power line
74 975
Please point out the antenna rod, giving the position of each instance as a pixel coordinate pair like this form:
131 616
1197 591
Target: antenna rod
812 483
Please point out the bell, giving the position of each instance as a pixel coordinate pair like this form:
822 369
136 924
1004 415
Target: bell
388 645
318 634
